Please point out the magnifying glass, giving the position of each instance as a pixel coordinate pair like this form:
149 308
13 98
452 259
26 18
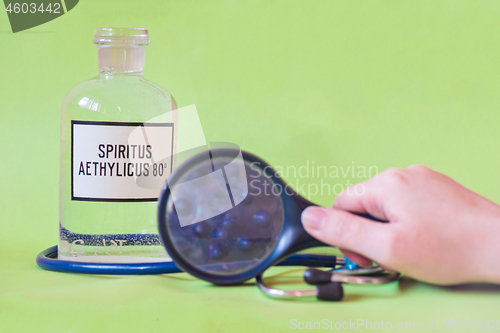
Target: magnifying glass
225 216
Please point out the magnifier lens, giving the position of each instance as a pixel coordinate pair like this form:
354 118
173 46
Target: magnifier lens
223 216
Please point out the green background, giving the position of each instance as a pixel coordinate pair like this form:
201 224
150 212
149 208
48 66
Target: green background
365 83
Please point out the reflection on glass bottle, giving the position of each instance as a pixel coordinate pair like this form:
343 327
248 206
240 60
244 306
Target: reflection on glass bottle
117 150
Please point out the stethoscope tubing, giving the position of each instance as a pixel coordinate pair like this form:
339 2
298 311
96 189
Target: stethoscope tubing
47 259
280 293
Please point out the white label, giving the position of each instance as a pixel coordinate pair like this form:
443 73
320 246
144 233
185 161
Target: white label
120 161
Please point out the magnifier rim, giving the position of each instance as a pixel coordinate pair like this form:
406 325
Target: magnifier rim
220 279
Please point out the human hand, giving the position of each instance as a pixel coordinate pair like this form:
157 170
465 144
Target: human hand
438 231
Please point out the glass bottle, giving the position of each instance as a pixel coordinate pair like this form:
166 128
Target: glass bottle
116 136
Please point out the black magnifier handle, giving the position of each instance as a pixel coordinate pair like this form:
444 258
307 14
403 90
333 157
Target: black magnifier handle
304 203
302 239
369 217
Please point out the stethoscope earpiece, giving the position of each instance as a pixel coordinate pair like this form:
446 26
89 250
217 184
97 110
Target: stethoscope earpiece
316 276
332 291
326 289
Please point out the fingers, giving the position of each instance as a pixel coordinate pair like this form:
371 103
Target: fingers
347 231
364 198
356 258
373 196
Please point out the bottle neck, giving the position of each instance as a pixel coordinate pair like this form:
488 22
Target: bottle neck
121 59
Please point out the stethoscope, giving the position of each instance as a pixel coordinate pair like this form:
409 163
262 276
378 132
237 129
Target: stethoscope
328 283
217 224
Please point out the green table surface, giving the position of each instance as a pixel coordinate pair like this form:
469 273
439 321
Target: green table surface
325 83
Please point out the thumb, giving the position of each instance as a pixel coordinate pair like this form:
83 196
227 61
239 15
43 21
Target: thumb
347 231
